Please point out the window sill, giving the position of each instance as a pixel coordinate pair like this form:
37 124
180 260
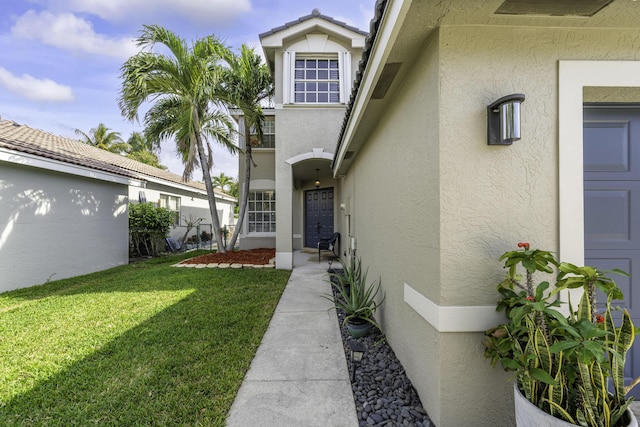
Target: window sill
309 105
256 234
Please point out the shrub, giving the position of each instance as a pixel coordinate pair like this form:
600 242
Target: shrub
148 227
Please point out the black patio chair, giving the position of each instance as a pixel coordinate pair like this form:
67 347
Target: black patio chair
331 244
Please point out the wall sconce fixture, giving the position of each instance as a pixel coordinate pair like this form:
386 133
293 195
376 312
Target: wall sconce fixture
503 120
357 350
317 179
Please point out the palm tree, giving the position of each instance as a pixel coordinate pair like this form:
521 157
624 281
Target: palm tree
142 150
223 182
248 82
139 142
184 86
146 157
105 139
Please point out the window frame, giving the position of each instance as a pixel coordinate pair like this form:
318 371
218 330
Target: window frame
312 79
345 78
256 219
164 202
271 128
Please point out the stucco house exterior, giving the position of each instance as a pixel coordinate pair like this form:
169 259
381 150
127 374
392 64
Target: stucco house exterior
453 204
64 205
313 61
429 205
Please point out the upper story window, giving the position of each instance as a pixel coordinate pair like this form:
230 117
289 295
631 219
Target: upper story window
316 80
268 134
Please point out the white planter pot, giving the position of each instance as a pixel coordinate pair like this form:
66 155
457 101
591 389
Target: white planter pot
529 415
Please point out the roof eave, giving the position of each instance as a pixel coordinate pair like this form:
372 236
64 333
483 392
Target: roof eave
26 159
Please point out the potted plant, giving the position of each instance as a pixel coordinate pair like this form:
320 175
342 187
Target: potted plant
567 367
355 297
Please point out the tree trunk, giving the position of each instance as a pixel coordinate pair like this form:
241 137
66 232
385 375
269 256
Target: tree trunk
206 175
244 195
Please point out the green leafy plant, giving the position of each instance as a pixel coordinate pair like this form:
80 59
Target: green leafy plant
148 227
563 364
353 295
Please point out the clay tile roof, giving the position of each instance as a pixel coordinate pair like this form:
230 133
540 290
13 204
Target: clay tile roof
24 139
314 14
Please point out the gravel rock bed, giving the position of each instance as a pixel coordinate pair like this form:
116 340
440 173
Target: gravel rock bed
383 394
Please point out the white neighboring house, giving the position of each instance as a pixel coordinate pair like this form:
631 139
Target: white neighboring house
64 205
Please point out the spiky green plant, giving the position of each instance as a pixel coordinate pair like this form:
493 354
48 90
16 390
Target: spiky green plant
353 295
563 364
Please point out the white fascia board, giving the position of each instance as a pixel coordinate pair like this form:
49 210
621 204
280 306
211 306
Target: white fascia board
276 40
391 23
185 187
32 160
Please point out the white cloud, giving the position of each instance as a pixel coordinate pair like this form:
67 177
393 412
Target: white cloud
124 10
35 89
67 31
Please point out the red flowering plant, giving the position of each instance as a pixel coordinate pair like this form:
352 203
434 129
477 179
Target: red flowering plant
563 364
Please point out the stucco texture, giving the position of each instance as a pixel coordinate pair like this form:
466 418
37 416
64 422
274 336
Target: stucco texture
300 130
56 226
434 206
392 191
514 188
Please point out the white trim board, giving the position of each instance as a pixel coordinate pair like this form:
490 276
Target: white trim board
573 76
36 161
316 153
453 318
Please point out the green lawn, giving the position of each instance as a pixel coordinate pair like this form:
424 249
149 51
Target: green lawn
143 344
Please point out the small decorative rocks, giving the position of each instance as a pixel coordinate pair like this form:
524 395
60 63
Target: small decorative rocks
383 394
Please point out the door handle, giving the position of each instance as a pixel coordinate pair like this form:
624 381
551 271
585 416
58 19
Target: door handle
319 226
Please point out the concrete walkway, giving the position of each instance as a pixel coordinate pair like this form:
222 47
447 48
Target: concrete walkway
299 376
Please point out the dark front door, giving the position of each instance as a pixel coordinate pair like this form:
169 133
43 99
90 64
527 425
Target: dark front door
612 205
318 217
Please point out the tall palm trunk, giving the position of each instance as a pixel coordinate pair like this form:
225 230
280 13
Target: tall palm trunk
206 175
244 194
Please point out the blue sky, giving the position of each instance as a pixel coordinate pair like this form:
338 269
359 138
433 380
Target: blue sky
60 59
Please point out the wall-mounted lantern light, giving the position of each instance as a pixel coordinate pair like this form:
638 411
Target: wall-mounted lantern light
317 179
503 120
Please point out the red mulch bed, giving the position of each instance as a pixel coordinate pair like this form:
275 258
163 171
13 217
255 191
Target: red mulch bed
253 256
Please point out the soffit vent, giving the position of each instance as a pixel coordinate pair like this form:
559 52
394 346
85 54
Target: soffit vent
348 155
552 7
387 76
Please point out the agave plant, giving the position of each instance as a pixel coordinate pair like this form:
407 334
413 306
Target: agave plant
563 364
353 296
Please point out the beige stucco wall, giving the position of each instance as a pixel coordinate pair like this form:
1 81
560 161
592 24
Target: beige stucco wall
262 178
54 225
303 130
518 185
300 130
448 204
392 191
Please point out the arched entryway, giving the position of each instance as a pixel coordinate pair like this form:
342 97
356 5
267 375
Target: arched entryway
313 193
